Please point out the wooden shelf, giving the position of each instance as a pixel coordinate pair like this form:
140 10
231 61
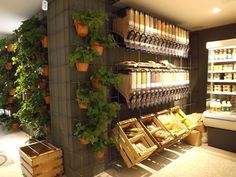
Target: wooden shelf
222 61
222 81
229 71
222 93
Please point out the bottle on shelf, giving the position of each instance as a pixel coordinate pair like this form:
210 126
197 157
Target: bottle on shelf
216 54
223 106
229 54
218 105
229 106
224 54
234 54
212 105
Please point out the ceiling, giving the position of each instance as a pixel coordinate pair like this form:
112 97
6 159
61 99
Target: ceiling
191 14
12 12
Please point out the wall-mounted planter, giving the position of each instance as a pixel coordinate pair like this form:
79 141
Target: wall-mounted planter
45 71
42 84
100 155
95 83
83 105
10 48
82 67
10 99
15 126
47 99
12 91
44 42
81 29
98 47
9 66
83 141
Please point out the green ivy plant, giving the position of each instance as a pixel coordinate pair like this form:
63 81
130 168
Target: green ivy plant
93 18
106 41
82 95
106 77
83 54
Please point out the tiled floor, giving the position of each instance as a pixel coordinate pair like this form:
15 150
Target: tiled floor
10 143
178 161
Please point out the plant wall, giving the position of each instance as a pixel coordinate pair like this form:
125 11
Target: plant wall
32 76
8 102
94 97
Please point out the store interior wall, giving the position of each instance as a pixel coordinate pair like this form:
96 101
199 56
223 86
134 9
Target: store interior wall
199 61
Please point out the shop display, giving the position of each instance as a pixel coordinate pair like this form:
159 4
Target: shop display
221 74
132 142
148 84
144 32
156 131
174 127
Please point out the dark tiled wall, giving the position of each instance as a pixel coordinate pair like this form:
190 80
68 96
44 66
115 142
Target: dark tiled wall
199 55
79 159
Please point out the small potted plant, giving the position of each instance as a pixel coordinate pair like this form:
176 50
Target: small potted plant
82 95
44 41
99 41
45 71
102 77
11 88
90 20
99 147
46 96
82 56
84 134
42 84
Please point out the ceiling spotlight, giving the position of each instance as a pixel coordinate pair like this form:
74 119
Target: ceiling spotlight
216 10
45 5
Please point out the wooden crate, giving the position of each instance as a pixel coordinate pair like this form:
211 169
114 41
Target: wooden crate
151 119
180 116
172 125
127 145
41 159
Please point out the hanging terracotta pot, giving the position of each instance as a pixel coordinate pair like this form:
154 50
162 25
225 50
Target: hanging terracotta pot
43 109
83 141
44 42
9 66
95 83
12 91
15 126
82 67
100 155
98 47
10 99
47 99
42 84
45 71
81 29
83 105
10 48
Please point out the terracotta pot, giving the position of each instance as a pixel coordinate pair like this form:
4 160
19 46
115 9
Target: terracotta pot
12 91
9 66
45 71
98 47
10 99
47 99
84 141
95 83
83 105
100 155
44 42
27 95
42 84
15 126
10 48
81 29
43 109
82 67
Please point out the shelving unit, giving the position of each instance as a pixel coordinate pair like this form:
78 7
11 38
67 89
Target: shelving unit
222 72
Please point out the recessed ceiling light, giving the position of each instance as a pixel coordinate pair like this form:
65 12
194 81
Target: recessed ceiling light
216 10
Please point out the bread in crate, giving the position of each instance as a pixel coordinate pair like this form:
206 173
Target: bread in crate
132 142
187 120
41 159
173 126
156 131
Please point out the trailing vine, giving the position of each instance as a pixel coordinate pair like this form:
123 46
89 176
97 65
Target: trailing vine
31 57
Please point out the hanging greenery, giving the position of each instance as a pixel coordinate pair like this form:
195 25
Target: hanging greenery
30 60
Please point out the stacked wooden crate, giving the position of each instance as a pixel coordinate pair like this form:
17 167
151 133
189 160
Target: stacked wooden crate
133 142
41 159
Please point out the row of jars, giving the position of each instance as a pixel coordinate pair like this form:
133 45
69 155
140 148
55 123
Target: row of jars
222 54
154 78
152 26
158 96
